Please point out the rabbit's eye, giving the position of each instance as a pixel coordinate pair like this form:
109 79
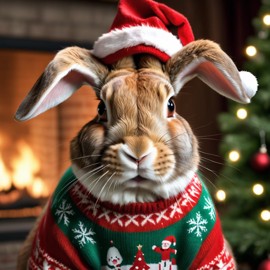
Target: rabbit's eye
102 111
171 108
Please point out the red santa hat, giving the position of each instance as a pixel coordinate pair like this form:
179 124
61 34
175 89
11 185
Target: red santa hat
170 239
142 26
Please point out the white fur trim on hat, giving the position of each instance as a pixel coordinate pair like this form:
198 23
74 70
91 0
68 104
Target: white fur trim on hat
118 39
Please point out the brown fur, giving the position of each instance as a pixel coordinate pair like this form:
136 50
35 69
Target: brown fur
202 48
137 119
63 60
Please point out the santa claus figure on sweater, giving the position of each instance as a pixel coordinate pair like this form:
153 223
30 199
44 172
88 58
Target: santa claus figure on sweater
165 251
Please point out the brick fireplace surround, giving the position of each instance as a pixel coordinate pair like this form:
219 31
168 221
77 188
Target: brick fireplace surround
31 32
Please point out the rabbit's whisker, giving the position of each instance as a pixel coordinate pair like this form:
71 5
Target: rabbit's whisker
161 138
211 160
89 173
209 139
66 188
209 154
208 136
104 174
175 137
91 165
86 156
114 185
207 179
93 182
71 183
109 187
219 163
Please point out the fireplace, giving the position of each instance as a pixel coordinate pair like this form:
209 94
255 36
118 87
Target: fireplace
33 154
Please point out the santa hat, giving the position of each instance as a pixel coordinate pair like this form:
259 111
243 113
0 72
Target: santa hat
170 239
142 26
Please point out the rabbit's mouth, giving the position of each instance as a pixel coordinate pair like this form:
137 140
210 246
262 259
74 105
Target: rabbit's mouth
138 179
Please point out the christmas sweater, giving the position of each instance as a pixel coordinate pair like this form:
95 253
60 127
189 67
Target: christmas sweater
80 232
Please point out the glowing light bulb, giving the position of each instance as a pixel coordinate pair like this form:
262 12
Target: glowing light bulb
265 215
258 189
251 51
266 19
221 195
241 113
234 156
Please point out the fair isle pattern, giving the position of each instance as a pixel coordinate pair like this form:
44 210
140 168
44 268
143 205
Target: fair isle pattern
43 261
197 225
209 206
222 261
64 213
134 222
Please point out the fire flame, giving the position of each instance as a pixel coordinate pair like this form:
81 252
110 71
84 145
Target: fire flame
25 168
38 188
5 181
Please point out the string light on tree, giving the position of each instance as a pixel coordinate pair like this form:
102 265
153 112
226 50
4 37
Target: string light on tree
234 156
265 215
241 113
266 19
221 195
258 189
251 51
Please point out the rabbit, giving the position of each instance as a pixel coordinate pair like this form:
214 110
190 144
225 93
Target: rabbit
136 155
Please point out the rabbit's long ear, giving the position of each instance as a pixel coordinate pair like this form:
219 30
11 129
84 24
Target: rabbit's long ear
70 68
205 59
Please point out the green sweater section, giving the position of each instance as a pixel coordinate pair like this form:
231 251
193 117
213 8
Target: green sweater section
94 241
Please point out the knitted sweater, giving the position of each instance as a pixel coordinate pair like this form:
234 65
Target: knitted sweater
79 232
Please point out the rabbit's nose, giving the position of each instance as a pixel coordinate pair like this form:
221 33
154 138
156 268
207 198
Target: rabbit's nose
135 159
137 150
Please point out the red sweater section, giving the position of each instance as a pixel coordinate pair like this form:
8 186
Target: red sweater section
51 249
214 244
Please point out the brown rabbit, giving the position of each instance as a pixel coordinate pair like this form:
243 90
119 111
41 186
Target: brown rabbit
132 198
133 177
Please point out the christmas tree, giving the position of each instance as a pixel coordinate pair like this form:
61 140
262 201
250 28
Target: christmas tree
244 182
139 262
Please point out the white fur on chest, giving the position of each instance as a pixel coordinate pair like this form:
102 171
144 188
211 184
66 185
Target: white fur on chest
147 191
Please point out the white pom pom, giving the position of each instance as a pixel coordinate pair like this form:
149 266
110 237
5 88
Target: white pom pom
249 82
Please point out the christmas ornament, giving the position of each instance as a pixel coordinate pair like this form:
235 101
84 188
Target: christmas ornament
265 265
261 160
139 262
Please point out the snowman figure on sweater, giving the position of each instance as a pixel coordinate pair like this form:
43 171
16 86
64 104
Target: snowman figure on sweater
114 258
165 251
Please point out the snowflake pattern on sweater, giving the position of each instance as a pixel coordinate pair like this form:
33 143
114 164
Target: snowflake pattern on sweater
82 230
